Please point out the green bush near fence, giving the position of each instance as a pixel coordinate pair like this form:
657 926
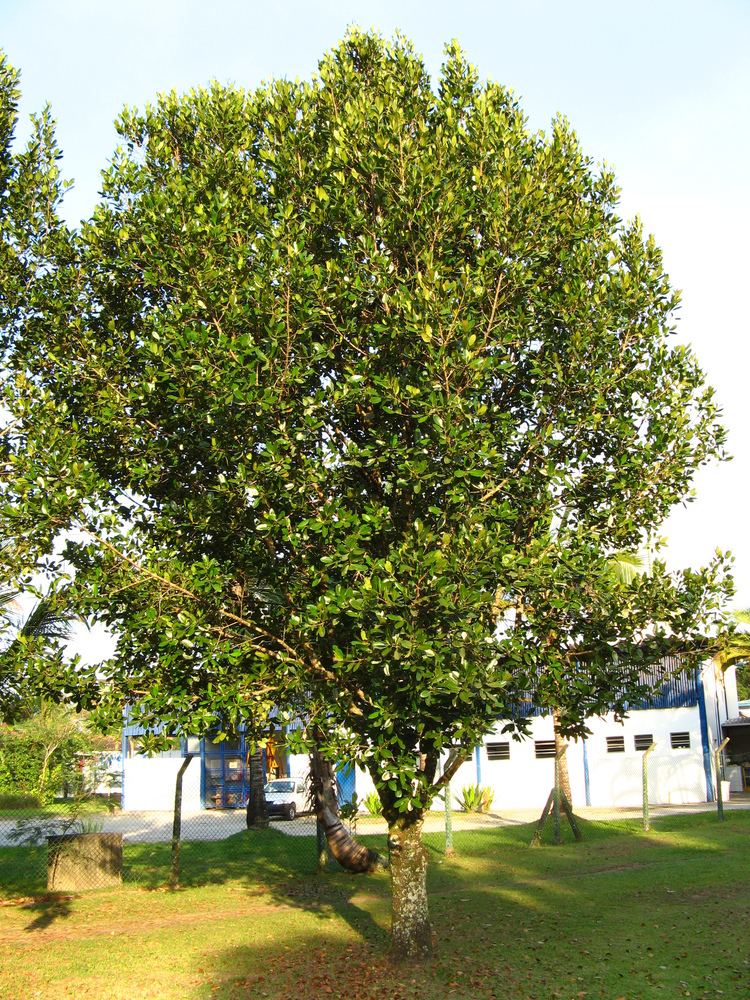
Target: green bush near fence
19 801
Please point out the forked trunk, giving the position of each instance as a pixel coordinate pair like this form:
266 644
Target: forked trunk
411 933
561 759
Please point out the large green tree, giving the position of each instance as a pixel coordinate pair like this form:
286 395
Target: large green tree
336 372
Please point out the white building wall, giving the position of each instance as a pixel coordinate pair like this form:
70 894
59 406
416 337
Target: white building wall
522 781
362 783
730 686
149 782
299 765
676 777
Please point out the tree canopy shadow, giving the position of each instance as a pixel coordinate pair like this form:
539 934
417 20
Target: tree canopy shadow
48 911
508 920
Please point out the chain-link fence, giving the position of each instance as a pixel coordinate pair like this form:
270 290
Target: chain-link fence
92 839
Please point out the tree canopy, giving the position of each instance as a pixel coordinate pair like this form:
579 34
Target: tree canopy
338 373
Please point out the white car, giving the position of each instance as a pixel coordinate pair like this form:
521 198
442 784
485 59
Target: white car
287 797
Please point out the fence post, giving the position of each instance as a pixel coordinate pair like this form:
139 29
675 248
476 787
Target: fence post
556 802
322 846
448 819
717 766
174 874
644 766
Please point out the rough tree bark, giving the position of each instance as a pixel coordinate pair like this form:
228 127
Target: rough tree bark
561 753
411 932
257 811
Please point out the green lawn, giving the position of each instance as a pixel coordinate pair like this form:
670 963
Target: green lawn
622 914
95 804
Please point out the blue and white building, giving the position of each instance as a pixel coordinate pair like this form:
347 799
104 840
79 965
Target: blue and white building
684 722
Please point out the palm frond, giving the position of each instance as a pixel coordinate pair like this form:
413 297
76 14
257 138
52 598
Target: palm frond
7 596
45 622
626 566
735 650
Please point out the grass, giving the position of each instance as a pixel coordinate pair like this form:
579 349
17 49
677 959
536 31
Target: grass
93 804
622 915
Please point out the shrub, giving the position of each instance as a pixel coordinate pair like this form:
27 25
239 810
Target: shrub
475 798
38 755
349 810
19 800
20 763
372 804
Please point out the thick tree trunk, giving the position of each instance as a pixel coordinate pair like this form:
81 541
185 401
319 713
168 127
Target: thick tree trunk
350 854
561 752
411 933
257 811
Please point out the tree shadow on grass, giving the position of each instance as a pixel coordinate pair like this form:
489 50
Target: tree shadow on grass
23 879
48 911
457 891
511 921
283 868
492 866
23 871
467 908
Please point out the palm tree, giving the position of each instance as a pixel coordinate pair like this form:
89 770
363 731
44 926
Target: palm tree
45 623
735 652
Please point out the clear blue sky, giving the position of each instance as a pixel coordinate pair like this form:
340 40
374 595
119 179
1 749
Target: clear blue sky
661 90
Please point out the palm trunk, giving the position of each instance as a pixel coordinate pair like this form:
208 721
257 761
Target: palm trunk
411 933
561 759
350 854
257 811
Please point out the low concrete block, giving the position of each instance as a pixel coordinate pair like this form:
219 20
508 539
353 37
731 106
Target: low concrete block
76 862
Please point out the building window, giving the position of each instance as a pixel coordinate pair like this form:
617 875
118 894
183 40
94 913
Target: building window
643 741
680 741
544 748
498 751
615 744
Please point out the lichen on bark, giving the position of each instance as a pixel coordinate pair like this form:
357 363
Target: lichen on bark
411 931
